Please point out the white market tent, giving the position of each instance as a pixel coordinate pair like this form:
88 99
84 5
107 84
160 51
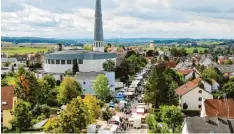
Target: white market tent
128 93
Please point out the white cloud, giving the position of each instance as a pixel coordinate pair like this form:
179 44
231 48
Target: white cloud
123 18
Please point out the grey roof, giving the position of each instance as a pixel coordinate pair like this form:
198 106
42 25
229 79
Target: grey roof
198 125
79 54
81 76
21 57
225 68
98 29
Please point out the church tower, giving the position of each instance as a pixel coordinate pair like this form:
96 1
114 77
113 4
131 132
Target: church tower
98 43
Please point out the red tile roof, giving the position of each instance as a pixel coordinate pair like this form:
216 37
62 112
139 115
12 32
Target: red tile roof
185 88
171 64
7 94
215 107
197 80
185 71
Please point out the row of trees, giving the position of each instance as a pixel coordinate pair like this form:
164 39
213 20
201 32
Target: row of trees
131 64
160 91
38 98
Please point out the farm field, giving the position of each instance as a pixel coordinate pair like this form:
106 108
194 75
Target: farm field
23 50
190 50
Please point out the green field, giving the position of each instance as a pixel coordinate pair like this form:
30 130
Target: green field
23 50
190 50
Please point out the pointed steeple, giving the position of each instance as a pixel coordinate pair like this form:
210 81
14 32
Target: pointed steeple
98 44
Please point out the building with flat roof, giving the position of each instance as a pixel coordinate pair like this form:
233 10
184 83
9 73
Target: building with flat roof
59 62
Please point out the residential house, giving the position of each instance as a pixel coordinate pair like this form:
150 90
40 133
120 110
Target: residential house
171 64
188 73
198 125
6 62
212 109
183 65
8 103
217 116
228 70
208 87
206 61
190 96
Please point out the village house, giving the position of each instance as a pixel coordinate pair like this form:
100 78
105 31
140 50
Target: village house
190 96
217 116
8 103
228 70
188 73
208 87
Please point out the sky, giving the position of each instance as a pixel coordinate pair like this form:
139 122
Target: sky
74 19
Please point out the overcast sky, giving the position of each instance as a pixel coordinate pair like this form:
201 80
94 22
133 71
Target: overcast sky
121 18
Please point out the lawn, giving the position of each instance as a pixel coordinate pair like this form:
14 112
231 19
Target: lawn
23 50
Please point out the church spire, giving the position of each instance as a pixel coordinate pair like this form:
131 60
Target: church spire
98 44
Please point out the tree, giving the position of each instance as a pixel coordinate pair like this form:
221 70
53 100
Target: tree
93 105
185 106
27 87
195 51
100 86
109 65
228 88
68 90
156 127
72 120
75 67
229 62
68 72
106 114
153 60
22 116
50 80
27 63
209 74
12 68
150 53
172 116
60 47
161 85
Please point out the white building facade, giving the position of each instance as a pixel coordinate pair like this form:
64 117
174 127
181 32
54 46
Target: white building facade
88 61
193 98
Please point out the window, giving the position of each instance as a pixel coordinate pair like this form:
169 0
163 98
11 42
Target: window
52 61
80 61
48 61
69 62
62 61
57 61
200 98
84 82
199 106
200 91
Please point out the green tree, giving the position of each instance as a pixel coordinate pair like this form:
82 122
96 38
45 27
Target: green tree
50 80
68 90
153 60
93 105
109 65
60 46
154 126
106 114
12 68
22 116
172 116
195 51
229 62
68 72
72 120
27 86
100 86
228 88
161 85
209 74
75 67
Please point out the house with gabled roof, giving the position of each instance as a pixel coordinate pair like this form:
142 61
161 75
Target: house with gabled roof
214 85
188 73
190 96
